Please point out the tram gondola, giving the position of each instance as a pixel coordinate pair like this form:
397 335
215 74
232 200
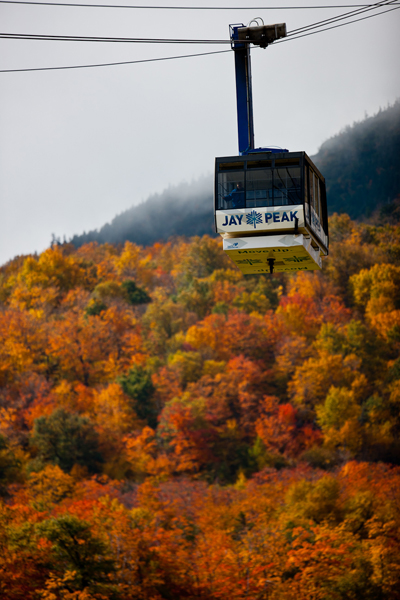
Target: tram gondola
270 205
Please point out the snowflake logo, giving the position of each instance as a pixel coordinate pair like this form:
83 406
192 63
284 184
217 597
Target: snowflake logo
253 218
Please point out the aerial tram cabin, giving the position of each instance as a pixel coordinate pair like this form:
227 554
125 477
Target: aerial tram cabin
270 205
270 209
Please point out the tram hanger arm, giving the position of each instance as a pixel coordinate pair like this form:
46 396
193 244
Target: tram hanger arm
241 38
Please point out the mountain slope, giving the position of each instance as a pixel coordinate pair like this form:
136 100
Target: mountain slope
186 209
361 166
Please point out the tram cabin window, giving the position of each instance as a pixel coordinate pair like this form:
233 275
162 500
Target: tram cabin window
287 188
256 187
231 190
259 188
315 194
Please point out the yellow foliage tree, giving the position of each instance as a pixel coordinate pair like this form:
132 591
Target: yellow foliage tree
49 486
313 379
339 419
377 290
112 412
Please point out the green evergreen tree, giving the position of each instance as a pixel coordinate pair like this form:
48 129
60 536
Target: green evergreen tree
138 385
66 439
76 549
133 293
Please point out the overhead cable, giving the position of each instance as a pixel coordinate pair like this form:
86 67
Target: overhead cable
77 38
113 64
142 7
99 39
287 39
343 16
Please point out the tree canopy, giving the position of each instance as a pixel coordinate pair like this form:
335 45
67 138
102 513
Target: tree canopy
173 429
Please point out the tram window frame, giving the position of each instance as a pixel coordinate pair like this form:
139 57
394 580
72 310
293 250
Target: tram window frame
287 162
324 208
222 202
311 188
298 187
259 164
306 188
275 196
259 202
318 195
316 207
315 198
231 166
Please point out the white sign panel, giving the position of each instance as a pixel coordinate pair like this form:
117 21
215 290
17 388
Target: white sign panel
236 221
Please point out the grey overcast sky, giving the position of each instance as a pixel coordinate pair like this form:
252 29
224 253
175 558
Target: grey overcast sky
79 146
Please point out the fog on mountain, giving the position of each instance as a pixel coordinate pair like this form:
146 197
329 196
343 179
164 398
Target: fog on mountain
361 165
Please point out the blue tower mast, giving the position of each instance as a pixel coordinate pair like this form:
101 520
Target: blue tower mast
241 38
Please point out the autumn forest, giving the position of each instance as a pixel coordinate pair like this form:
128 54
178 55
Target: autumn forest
172 429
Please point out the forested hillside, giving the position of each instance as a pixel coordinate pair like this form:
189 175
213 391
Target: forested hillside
361 166
172 429
185 209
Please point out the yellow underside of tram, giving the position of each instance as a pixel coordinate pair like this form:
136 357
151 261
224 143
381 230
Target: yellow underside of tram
290 252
